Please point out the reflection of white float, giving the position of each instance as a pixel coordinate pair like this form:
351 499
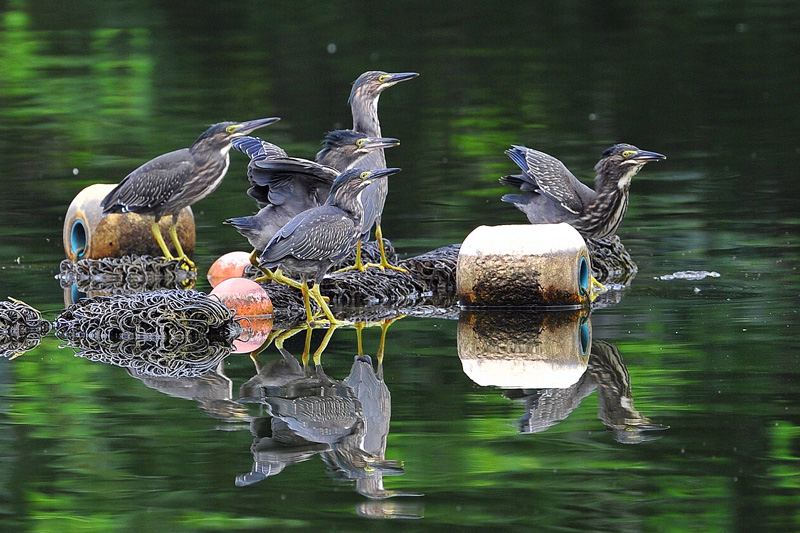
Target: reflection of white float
522 266
518 350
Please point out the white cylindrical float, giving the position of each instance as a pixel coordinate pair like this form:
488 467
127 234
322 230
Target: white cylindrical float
525 265
88 234
522 350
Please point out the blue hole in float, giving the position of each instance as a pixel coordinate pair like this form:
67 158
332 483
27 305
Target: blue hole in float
583 276
585 336
77 239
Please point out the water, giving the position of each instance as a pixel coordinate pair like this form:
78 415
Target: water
89 91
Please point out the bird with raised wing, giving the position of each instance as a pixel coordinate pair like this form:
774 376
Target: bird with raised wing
286 186
550 193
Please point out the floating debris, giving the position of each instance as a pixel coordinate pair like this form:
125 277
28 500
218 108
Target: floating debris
131 273
21 328
429 288
430 282
162 333
690 275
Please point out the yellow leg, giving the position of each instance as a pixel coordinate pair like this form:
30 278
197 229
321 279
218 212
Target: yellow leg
307 303
358 264
163 245
595 288
317 296
254 354
384 264
323 345
359 326
307 347
287 334
254 259
173 233
278 277
384 328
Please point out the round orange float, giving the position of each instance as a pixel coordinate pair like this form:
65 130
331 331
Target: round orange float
253 311
230 265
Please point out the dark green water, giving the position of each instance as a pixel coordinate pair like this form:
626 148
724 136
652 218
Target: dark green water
90 90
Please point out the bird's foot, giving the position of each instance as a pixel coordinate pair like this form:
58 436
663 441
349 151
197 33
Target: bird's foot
384 265
596 288
361 267
358 265
186 263
321 321
188 283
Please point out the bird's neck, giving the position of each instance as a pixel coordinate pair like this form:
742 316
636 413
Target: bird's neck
603 216
198 150
365 116
347 203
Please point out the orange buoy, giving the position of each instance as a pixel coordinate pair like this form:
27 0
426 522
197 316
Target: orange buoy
253 311
230 265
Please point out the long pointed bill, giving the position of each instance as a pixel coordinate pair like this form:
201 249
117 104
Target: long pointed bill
398 77
374 143
245 128
381 173
643 156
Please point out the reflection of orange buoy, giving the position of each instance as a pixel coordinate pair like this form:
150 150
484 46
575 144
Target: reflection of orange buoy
230 265
253 311
254 335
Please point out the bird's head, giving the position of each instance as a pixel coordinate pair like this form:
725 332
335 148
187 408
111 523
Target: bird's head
620 163
372 83
220 135
351 182
344 148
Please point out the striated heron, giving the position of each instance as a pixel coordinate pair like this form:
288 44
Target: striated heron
363 101
172 181
311 242
287 186
550 193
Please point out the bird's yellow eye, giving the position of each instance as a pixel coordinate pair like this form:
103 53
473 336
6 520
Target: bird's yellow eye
628 153
232 128
365 175
360 142
383 78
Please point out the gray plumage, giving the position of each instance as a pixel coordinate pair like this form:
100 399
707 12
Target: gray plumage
307 246
286 186
168 183
363 102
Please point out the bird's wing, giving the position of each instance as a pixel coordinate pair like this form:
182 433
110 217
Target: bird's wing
554 180
287 177
288 167
548 176
325 232
150 185
257 149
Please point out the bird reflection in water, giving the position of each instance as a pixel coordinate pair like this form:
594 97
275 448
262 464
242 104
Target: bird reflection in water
345 421
549 361
607 374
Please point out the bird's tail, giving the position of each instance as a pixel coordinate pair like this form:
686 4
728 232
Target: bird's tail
241 223
515 180
516 199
